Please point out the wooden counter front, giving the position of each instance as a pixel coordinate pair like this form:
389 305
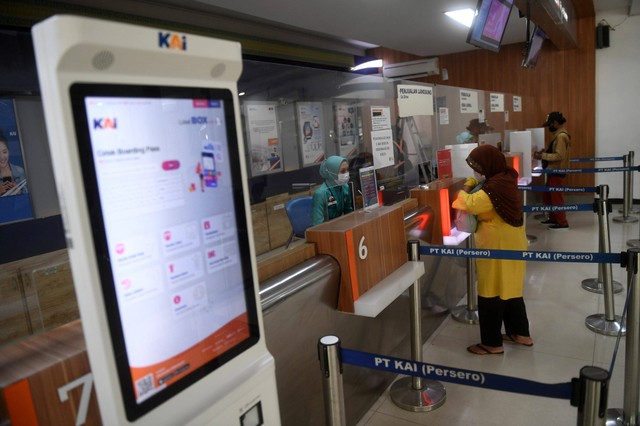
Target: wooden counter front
439 195
46 380
368 245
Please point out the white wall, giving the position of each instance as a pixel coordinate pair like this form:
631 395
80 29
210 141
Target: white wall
618 98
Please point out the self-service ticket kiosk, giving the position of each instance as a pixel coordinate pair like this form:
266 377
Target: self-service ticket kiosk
148 159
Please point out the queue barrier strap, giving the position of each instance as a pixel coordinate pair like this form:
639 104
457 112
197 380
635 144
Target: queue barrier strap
589 170
585 160
563 208
457 375
540 256
558 188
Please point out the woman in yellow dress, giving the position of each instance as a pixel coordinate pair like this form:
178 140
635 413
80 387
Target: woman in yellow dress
498 207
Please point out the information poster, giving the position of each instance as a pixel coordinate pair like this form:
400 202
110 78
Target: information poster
382 145
310 131
380 118
443 115
497 102
468 101
264 143
346 128
414 100
14 194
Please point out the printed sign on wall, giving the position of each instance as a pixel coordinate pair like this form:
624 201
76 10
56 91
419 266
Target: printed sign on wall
468 101
497 102
517 104
414 100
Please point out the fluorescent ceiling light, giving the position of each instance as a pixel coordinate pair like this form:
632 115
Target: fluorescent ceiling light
371 64
464 16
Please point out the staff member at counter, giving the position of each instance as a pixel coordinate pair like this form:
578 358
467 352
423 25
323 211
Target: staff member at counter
333 198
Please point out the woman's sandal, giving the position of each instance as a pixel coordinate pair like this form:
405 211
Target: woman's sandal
480 349
512 338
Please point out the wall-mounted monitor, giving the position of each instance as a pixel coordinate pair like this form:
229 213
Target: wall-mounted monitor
534 46
489 24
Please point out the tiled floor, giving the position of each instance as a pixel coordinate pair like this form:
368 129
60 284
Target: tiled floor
557 307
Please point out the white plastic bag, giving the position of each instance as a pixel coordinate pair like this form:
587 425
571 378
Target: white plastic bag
464 221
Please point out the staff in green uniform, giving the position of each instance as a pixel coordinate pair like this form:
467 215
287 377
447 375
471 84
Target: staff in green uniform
333 198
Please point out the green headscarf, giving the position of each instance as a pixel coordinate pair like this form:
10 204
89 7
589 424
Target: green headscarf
330 168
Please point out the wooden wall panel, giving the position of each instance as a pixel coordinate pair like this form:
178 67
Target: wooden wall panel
564 80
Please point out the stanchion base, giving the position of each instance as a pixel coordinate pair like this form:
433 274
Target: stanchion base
632 211
463 314
599 324
531 238
431 396
625 219
595 286
433 305
633 243
614 417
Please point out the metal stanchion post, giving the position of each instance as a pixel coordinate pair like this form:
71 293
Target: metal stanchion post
331 366
469 313
636 242
627 199
608 323
596 285
629 415
594 387
417 393
530 238
632 209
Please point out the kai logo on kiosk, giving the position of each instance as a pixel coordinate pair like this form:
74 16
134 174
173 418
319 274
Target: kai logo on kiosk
172 41
105 123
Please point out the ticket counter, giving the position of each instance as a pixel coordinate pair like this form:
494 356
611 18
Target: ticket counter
439 195
370 246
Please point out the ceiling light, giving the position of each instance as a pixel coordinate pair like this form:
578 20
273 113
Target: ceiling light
464 16
370 64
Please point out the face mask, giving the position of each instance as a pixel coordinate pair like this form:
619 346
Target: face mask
343 178
480 178
463 137
552 128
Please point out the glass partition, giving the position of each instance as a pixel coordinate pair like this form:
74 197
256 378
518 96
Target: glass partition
294 117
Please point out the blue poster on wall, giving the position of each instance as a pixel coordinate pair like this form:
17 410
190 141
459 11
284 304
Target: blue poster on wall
14 194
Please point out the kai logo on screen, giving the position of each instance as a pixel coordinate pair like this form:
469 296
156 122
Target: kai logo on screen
172 41
105 123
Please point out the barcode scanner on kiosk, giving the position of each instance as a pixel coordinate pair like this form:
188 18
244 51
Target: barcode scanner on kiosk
144 128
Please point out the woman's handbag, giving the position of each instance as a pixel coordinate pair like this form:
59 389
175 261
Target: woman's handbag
464 221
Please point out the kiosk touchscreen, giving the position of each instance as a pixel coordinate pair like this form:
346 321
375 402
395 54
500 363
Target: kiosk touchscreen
148 160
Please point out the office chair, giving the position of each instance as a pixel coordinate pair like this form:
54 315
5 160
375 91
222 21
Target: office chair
299 214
